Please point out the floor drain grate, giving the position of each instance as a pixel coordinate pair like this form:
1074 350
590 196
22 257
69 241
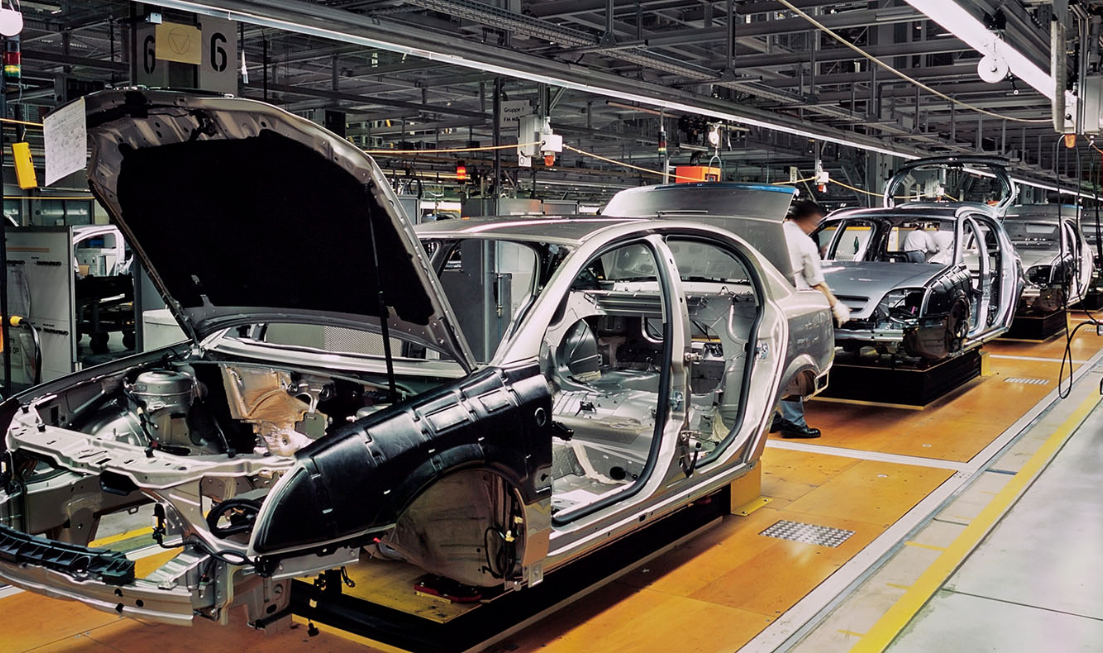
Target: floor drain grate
809 533
1025 380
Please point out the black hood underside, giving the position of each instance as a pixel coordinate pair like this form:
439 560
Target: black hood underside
265 191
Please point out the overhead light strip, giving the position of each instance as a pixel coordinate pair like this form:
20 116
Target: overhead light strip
276 23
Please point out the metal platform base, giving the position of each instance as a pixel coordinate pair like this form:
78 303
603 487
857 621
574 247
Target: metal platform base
1093 301
874 382
487 624
1037 328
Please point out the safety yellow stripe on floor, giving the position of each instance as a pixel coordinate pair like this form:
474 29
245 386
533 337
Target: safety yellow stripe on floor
890 624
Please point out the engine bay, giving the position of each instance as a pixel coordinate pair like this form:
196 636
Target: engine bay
201 408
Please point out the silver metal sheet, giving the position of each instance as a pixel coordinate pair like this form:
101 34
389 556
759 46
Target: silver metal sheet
1026 380
808 533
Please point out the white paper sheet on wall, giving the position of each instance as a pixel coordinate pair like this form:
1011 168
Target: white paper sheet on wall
65 132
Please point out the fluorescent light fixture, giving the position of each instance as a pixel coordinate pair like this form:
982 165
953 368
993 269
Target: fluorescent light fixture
1062 191
958 21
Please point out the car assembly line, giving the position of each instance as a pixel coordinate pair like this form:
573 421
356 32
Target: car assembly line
447 326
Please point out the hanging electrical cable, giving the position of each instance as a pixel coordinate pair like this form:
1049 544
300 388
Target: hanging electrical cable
13 121
623 164
904 76
1070 334
485 148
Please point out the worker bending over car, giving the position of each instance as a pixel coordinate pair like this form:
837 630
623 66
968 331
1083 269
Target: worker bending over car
804 217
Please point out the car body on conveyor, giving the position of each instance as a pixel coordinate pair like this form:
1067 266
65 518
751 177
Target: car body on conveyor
1091 228
1058 261
329 401
919 303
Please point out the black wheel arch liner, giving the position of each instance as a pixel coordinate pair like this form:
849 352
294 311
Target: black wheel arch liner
358 480
946 289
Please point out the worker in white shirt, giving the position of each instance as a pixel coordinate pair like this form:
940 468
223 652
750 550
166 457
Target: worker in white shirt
804 217
944 241
920 241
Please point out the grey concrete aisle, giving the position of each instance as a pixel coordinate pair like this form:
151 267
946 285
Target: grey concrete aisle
1036 582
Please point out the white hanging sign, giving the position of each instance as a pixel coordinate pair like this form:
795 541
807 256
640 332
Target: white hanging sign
65 133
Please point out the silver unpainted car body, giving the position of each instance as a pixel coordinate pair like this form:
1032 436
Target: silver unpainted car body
1057 260
267 459
915 304
1092 230
110 259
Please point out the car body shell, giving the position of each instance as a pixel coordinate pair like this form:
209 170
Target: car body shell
115 258
1058 271
316 509
955 306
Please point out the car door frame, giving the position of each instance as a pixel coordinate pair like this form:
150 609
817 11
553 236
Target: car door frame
663 491
981 295
527 337
842 223
1082 258
759 347
1010 277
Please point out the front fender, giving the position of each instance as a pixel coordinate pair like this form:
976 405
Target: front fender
357 481
803 377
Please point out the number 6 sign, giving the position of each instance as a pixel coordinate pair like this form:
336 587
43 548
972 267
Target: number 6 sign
217 71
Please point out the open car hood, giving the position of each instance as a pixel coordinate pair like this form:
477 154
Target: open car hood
245 214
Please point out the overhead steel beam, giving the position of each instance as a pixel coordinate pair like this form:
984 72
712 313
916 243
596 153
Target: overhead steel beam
935 46
566 8
423 127
843 20
71 60
365 100
925 74
328 22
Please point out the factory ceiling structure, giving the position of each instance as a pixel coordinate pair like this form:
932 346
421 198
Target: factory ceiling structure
848 84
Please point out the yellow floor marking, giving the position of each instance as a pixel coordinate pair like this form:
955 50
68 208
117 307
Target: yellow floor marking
859 402
925 546
102 542
892 622
851 633
898 586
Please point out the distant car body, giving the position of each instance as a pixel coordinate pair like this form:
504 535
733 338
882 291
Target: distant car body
100 251
918 301
1057 259
1092 230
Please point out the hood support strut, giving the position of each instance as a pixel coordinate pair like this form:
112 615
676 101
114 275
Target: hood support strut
384 314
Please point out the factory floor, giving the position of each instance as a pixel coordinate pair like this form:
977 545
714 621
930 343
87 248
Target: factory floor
1036 582
912 492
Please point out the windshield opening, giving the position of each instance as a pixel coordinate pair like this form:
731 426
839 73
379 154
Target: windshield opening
1033 234
491 284
914 240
